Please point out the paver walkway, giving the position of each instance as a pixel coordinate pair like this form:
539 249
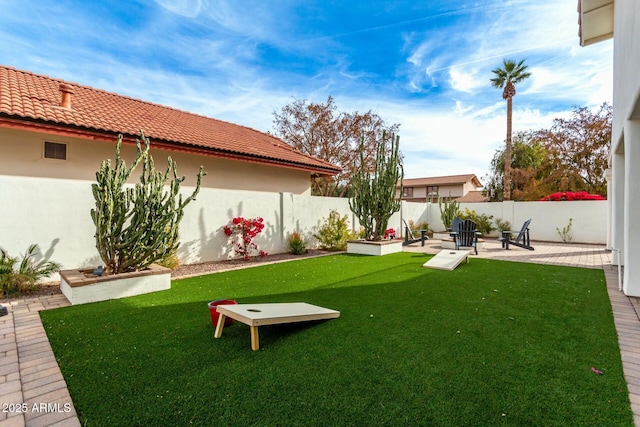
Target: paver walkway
34 393
32 389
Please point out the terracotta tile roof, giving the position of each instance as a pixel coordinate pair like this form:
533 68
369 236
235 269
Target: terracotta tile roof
442 180
472 197
36 99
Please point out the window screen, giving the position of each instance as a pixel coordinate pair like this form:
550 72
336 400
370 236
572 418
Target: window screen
55 150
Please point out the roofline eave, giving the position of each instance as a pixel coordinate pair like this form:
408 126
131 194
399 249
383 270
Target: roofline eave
28 124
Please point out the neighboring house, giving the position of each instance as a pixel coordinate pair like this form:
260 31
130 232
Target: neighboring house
55 129
473 197
599 20
446 187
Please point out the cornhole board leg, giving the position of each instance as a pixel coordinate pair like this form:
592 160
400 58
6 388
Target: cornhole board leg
255 338
447 259
219 326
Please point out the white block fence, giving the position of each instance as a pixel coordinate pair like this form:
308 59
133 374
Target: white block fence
54 214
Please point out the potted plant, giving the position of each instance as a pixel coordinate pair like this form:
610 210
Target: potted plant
135 227
374 199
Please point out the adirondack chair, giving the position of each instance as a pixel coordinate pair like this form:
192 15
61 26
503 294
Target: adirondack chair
454 226
466 235
522 240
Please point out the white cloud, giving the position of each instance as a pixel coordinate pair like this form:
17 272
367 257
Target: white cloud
465 81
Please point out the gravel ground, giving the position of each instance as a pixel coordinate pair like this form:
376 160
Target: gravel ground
48 289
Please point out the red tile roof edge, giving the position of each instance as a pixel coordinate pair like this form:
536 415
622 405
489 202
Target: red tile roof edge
266 149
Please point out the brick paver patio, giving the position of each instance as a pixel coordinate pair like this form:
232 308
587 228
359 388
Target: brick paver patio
34 393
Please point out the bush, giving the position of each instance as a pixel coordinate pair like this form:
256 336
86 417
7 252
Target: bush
483 222
334 233
297 245
418 226
170 261
27 274
503 226
565 234
569 195
241 232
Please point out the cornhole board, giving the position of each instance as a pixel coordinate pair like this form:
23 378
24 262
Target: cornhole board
447 259
256 315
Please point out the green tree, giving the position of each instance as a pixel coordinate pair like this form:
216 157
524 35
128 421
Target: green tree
578 150
570 156
320 130
507 77
529 167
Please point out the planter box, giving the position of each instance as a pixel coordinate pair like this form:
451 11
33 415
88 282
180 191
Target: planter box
382 247
81 287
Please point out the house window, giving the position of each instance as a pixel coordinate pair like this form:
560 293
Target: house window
407 192
432 193
55 150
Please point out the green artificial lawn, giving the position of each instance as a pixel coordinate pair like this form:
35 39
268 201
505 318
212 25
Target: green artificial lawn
490 343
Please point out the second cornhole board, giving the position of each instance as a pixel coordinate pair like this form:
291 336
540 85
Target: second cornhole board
447 259
256 315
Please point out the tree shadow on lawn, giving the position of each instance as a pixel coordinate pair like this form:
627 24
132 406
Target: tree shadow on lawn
412 344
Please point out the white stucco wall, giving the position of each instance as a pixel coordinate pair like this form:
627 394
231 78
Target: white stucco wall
625 200
23 155
588 217
55 214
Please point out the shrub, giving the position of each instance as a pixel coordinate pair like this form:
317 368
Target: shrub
503 226
27 274
241 232
424 225
483 222
170 261
565 234
569 195
334 232
297 245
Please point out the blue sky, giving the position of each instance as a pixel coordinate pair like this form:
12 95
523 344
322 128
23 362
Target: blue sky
423 64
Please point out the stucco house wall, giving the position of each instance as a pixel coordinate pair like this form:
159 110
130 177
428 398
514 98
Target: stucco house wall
23 155
625 158
448 186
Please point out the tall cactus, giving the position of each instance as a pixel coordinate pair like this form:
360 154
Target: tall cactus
138 225
374 198
449 212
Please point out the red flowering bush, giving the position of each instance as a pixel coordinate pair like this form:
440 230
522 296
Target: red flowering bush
241 232
390 233
569 195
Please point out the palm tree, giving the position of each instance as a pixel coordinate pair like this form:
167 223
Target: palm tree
507 77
